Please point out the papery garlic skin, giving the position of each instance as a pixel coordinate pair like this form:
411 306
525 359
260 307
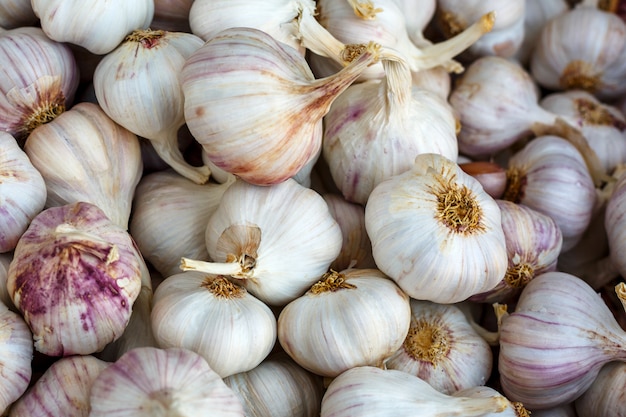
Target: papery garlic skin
22 192
605 397
5 260
156 382
40 77
97 26
436 232
74 277
277 240
556 341
170 214
513 409
374 392
16 13
566 57
536 14
231 329
138 85
614 224
278 387
418 14
62 390
362 318
85 156
16 353
443 349
549 175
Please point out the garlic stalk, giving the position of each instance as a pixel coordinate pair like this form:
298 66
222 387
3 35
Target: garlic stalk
22 192
549 175
85 156
16 13
512 409
98 27
605 397
74 276
362 318
567 58
278 387
276 241
443 349
62 390
375 129
366 390
436 232
138 85
156 382
16 352
554 344
270 126
219 320
389 29
40 77
170 214
533 244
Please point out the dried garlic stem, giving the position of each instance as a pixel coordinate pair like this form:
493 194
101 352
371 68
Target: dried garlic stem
216 268
442 53
427 341
167 148
620 290
314 37
221 287
364 9
331 281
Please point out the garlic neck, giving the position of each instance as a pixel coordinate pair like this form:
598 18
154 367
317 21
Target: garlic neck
148 38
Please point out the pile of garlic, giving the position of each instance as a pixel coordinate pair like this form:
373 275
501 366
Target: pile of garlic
309 208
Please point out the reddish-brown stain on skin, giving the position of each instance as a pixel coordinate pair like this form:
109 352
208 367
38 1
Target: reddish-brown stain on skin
200 111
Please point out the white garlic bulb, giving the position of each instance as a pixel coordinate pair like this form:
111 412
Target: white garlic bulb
605 397
74 277
156 382
62 390
16 13
366 390
362 318
549 175
418 14
16 352
375 129
170 214
22 192
83 155
138 85
40 77
567 58
443 349
276 240
96 26
436 232
231 329
278 387
270 126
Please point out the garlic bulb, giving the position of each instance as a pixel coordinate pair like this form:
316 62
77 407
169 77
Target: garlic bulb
418 14
556 341
97 26
356 250
506 35
497 103
275 241
602 125
567 58
40 77
16 352
16 13
74 277
605 397
366 390
443 349
549 175
375 129
231 329
170 214
172 15
270 126
436 232
533 244
490 175
83 155
63 389
156 382
614 225
362 318
143 74
278 387
5 260
22 192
